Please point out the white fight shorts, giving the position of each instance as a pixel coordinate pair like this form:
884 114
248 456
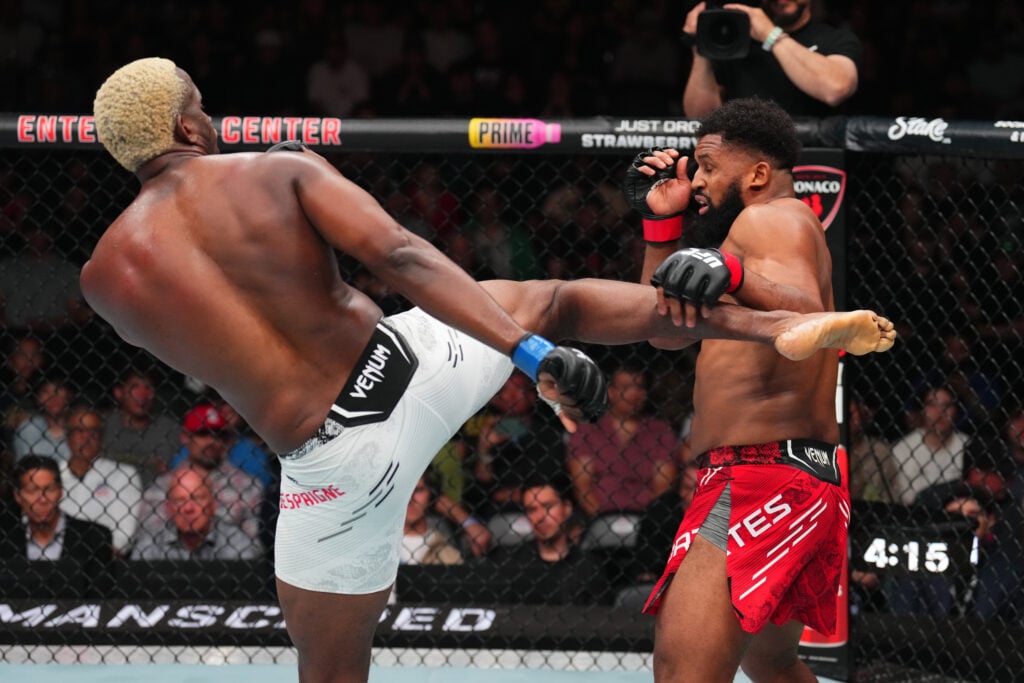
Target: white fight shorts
344 493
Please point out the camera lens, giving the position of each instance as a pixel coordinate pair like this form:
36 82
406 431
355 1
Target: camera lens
723 32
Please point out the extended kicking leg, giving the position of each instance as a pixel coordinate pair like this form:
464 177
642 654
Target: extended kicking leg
856 332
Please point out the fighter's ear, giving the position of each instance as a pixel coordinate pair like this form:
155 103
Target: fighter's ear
760 174
184 130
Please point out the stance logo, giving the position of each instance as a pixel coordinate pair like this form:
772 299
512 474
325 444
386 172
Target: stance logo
372 373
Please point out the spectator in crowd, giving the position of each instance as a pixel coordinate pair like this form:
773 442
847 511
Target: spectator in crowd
39 287
933 451
489 64
808 67
627 458
958 367
981 496
97 488
375 38
44 533
1000 590
552 568
871 464
517 437
245 451
445 42
1013 434
426 538
645 67
193 530
239 495
135 433
335 84
42 432
412 87
24 363
659 523
505 249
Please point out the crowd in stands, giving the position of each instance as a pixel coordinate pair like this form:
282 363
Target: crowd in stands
107 459
551 58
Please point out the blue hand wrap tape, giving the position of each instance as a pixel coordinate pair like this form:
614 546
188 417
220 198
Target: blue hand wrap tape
530 351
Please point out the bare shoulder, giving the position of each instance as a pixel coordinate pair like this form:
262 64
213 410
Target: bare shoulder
783 221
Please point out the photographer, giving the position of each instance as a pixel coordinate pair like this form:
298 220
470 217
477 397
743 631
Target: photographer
806 66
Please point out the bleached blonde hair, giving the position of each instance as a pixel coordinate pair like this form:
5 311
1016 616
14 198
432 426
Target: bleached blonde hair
136 108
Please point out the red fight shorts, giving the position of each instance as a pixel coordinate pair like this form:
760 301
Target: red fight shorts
783 528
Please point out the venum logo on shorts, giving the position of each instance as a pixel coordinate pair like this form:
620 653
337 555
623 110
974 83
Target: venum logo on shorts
293 501
819 456
821 188
377 381
372 373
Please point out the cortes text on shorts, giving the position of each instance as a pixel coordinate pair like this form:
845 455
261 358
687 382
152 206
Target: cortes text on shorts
372 373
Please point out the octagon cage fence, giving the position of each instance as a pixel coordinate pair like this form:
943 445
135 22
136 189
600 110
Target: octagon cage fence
923 218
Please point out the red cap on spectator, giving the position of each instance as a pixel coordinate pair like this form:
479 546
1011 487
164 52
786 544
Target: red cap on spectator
204 418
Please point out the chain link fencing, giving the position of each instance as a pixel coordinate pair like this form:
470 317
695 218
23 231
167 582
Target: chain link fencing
937 559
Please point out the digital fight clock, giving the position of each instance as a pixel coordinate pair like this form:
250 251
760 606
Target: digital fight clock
923 549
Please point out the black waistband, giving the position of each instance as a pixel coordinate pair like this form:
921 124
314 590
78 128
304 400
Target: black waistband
374 387
817 458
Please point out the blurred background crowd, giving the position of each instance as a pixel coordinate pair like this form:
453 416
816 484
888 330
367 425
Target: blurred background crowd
555 58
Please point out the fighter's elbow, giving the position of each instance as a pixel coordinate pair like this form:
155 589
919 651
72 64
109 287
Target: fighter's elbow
839 87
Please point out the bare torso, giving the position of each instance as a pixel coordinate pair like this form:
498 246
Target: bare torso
748 393
216 270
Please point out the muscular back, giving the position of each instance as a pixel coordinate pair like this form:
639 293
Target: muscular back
216 269
747 393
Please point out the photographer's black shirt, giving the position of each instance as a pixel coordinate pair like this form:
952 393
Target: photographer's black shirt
759 72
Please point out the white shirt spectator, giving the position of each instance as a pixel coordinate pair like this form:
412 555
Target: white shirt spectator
920 467
109 494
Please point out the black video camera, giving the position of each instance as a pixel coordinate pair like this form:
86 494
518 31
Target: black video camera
724 33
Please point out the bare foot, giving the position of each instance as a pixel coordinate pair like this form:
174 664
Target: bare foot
856 332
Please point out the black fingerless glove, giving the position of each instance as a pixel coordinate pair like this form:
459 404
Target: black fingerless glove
637 186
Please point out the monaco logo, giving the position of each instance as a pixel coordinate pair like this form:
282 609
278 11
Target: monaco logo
821 188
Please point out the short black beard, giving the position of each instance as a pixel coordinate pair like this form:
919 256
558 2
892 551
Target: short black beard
786 21
709 230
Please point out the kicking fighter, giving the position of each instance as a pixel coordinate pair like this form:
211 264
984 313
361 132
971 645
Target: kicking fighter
758 553
223 267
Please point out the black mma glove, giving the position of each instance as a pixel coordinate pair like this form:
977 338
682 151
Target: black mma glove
579 377
288 146
637 186
576 375
699 275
